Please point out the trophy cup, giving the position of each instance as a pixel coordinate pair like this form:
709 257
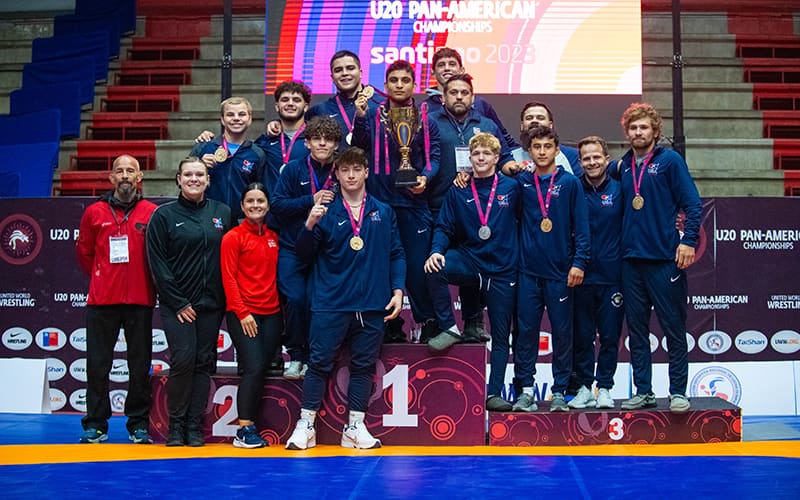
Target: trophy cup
404 122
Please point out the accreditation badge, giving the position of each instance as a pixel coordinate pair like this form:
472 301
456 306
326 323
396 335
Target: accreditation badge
118 249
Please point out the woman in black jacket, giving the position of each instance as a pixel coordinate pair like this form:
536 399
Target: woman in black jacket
183 249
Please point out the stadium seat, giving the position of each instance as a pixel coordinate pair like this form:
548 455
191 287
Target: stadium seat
9 184
126 9
79 69
70 24
94 44
34 163
39 126
65 96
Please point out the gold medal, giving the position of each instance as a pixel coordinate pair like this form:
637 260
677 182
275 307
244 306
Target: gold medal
220 155
546 225
638 202
367 91
356 243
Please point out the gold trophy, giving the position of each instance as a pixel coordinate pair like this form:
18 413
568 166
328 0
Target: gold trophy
404 122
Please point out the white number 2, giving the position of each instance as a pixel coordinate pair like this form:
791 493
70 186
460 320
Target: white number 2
223 425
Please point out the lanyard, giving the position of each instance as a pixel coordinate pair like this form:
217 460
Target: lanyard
484 218
314 180
356 227
544 205
638 182
286 152
348 123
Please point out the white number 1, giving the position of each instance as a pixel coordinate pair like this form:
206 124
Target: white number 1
397 379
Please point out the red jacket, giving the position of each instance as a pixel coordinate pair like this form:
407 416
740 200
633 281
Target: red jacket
124 283
249 260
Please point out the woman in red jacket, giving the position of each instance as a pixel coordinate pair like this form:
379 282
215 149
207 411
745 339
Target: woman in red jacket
249 262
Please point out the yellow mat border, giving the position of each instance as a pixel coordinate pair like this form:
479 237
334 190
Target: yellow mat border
76 453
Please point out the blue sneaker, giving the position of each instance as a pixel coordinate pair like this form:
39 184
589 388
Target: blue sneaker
141 436
93 436
248 437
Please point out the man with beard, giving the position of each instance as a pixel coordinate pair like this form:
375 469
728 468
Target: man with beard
655 255
373 133
303 184
447 63
458 123
111 251
537 114
233 161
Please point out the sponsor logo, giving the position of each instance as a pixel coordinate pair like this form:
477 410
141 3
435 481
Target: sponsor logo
718 382
502 200
119 371
556 191
420 231
57 399
117 398
786 341
77 339
78 400
158 366
304 183
122 342
51 339
375 216
341 223
17 338
674 278
652 169
653 342
223 341
470 200
159 340
545 343
78 369
247 166
179 224
562 299
20 239
56 369
714 342
218 225
690 344
607 200
616 299
751 342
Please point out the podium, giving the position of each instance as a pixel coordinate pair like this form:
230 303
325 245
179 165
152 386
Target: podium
709 420
417 399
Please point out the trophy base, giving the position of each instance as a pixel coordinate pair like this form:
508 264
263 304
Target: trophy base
406 177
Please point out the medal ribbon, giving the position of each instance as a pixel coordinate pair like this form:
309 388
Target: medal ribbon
484 218
544 205
225 145
348 123
637 183
286 152
314 180
356 227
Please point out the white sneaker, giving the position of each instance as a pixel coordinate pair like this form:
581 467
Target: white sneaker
584 399
293 370
604 399
303 437
357 436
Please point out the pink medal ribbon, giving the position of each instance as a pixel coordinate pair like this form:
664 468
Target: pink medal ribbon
638 199
348 123
485 231
356 243
286 152
314 180
544 204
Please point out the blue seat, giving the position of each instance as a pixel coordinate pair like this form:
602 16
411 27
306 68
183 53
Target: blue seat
79 69
9 184
39 126
34 164
65 96
125 8
70 24
93 43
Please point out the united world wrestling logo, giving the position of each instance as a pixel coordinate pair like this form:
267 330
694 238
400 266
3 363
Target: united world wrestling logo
20 239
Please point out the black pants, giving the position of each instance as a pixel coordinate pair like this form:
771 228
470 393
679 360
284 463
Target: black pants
253 354
193 359
102 329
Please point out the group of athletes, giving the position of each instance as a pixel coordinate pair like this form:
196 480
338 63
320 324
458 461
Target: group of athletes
304 238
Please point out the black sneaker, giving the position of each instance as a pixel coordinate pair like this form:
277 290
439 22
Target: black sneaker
475 331
93 436
497 403
393 332
194 438
429 330
248 437
176 437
